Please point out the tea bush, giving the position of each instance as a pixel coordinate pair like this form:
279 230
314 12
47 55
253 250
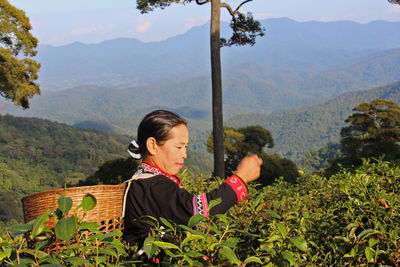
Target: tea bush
350 219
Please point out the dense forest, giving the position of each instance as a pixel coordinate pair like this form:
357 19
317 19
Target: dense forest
37 154
312 126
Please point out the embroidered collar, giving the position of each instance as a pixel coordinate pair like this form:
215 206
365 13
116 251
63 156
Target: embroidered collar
147 167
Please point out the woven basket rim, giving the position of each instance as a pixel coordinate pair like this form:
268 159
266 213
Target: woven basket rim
86 187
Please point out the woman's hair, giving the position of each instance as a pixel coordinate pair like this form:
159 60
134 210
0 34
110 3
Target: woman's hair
156 124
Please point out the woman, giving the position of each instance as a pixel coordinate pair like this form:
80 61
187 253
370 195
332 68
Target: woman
155 189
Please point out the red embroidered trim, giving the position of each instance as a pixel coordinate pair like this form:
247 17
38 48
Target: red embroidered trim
147 167
238 186
205 204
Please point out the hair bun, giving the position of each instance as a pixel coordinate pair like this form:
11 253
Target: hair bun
134 150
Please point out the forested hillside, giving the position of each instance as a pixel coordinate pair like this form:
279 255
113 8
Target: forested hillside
249 87
311 126
36 155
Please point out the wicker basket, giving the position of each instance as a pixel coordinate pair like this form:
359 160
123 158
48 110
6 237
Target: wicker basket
108 210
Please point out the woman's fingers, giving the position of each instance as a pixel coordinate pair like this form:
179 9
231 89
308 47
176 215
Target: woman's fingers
249 168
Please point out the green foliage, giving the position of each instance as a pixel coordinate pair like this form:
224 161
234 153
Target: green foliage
314 125
37 155
17 74
243 141
76 242
113 171
319 159
351 219
245 30
374 131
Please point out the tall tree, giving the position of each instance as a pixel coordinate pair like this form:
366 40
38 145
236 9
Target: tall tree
374 131
18 70
245 30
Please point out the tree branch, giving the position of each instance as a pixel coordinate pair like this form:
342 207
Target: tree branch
230 10
239 6
199 2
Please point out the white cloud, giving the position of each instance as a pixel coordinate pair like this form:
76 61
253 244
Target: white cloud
190 23
92 28
326 19
143 26
393 10
262 15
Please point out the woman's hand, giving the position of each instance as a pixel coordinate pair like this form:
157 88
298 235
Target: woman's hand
249 168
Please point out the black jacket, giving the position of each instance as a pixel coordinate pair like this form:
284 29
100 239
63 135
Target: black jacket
159 196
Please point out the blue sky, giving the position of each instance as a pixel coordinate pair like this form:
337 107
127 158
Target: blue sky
59 22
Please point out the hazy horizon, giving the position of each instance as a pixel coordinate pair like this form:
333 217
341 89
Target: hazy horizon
93 21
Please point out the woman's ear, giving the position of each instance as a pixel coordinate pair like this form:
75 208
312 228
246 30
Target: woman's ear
151 145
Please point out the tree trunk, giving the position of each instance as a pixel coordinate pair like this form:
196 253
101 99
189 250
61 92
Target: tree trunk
218 131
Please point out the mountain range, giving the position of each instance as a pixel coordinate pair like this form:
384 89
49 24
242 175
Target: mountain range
289 46
296 65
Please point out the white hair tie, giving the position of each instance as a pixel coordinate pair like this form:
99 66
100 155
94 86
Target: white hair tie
133 154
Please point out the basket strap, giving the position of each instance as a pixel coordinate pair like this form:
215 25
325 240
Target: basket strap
134 177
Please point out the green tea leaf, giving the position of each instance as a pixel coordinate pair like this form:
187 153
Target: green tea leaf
299 242
20 227
108 251
93 227
282 229
190 230
36 253
191 238
214 203
166 223
88 202
165 245
372 242
64 204
288 255
230 255
40 224
274 238
195 219
76 261
365 233
65 228
274 214
195 254
5 253
368 254
252 259
149 247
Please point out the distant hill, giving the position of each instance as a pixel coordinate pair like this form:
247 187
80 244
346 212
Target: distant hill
303 47
303 128
248 87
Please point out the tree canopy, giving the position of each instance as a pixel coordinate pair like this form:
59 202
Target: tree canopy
245 28
18 70
243 141
374 131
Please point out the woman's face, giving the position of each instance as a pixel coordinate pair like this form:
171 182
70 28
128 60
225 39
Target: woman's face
170 155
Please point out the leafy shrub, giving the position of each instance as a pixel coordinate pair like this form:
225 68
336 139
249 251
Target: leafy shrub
352 218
